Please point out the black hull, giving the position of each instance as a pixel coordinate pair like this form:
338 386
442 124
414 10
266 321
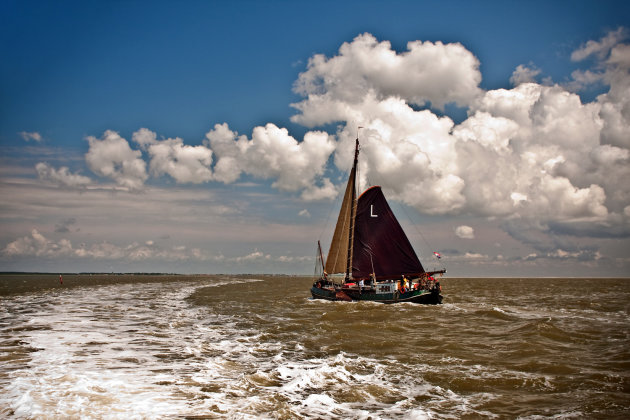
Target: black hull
426 297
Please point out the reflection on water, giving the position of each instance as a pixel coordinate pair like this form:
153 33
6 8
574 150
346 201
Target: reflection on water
216 346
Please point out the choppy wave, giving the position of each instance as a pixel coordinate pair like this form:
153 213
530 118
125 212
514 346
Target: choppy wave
251 348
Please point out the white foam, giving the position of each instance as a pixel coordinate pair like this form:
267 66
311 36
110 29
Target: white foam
120 351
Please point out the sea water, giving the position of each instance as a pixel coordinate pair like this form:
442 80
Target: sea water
119 347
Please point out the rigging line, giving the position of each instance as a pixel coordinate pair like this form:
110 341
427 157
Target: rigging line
330 209
358 186
372 261
358 174
416 227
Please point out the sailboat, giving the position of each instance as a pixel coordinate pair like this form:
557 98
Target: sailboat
371 250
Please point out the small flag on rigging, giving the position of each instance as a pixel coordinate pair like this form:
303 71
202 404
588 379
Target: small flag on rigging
437 254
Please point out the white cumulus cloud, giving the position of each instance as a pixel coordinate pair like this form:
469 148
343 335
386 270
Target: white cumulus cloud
465 232
602 47
62 176
534 155
28 136
144 137
535 152
524 74
427 72
185 164
112 157
38 245
272 154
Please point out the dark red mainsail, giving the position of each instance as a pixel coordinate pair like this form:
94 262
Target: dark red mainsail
380 244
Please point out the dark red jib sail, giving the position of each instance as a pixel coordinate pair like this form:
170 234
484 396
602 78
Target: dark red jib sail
380 245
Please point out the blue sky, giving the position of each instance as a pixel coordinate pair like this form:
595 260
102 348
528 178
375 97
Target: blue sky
71 71
181 67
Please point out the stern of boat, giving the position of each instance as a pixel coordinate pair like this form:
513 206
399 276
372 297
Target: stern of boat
323 289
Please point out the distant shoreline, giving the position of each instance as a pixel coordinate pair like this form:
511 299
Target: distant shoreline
98 273
83 273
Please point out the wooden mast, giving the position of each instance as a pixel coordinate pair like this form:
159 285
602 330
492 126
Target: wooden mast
353 206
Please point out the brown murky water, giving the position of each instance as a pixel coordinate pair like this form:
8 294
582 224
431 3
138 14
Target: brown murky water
259 347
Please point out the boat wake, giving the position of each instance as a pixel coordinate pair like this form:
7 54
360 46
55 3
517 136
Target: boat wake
237 348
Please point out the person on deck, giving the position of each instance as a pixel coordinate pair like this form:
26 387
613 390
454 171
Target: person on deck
405 284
